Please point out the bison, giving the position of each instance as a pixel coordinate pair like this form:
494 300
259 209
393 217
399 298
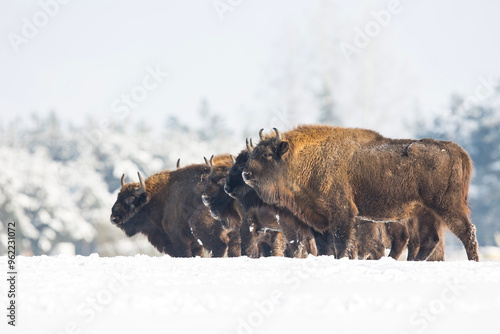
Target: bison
167 208
260 231
328 176
300 240
221 206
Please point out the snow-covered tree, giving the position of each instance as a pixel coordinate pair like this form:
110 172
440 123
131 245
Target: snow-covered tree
60 181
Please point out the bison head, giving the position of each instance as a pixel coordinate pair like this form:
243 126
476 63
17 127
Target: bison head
266 165
214 196
237 188
131 199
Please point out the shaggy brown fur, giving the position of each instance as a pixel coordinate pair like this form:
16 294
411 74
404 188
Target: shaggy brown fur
329 175
170 213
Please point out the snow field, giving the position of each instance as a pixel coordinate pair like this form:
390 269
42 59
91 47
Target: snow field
242 295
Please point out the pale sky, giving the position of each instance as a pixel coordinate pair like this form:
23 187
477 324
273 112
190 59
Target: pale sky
89 54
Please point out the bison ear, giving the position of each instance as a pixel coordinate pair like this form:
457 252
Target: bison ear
283 148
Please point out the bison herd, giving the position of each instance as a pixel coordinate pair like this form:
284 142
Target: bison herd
317 190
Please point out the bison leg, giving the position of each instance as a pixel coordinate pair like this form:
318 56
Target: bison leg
307 238
213 243
397 248
462 227
427 245
438 253
300 251
196 249
246 235
344 241
342 222
400 237
290 248
265 249
219 249
414 241
330 247
311 246
369 241
378 251
428 230
343 229
278 245
321 241
181 249
253 250
375 248
234 244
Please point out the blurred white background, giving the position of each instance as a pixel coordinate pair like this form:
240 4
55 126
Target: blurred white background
247 58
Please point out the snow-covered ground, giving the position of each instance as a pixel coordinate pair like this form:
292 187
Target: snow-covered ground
64 294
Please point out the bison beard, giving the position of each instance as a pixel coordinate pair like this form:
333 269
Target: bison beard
327 176
167 208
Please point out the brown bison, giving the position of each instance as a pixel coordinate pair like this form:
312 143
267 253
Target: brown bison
221 206
260 231
327 176
299 238
167 208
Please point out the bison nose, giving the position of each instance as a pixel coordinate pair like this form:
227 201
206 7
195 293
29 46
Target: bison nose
205 199
114 219
247 176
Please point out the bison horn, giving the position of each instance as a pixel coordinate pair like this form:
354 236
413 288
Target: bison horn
178 163
142 189
251 143
232 159
212 161
249 148
123 180
206 161
278 135
261 136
